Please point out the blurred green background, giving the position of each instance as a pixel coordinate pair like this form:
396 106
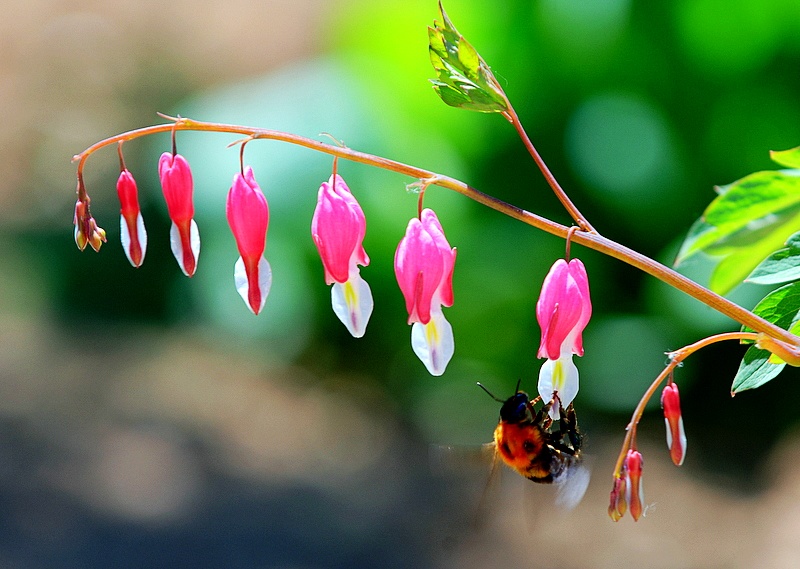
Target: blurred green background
149 420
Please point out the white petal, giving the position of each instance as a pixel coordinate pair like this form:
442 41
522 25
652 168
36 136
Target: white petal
433 342
243 287
125 237
352 303
177 246
558 376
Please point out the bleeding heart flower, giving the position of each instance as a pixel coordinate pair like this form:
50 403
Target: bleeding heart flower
131 224
177 186
563 310
338 228
248 217
424 265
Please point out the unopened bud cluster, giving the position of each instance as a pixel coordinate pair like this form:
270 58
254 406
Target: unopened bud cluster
627 493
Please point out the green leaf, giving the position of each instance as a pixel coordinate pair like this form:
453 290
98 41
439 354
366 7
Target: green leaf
780 267
745 223
463 78
755 370
780 307
788 158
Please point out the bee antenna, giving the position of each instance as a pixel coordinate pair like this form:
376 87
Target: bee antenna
489 393
516 389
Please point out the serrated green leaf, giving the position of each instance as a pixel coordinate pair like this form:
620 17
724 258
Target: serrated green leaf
780 267
755 370
463 78
789 158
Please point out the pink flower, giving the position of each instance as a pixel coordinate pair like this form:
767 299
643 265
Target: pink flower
131 224
338 228
177 186
634 492
424 265
676 437
87 232
563 310
248 217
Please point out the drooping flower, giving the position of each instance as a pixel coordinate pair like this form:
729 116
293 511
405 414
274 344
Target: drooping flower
563 310
338 228
676 436
248 217
87 232
177 186
634 491
131 224
423 264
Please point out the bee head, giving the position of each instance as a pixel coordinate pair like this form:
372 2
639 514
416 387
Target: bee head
516 408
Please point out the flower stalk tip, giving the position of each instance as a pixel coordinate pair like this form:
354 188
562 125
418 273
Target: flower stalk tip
87 232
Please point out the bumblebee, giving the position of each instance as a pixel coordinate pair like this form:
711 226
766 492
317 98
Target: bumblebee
539 448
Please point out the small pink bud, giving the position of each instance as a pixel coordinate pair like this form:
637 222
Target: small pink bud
634 492
676 437
618 506
131 224
248 217
177 186
87 232
423 264
563 309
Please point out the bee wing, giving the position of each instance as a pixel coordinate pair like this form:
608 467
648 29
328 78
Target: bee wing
571 484
450 459
477 466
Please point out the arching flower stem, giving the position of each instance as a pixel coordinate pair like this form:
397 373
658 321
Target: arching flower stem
588 236
676 358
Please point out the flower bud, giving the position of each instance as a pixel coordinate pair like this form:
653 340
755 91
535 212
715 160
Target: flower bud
248 217
87 232
676 437
178 189
618 506
634 492
131 224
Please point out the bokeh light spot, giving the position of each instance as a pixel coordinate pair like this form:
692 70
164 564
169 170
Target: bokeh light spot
727 36
620 146
584 24
623 356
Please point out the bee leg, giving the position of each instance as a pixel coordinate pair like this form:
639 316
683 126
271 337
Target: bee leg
543 416
569 425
